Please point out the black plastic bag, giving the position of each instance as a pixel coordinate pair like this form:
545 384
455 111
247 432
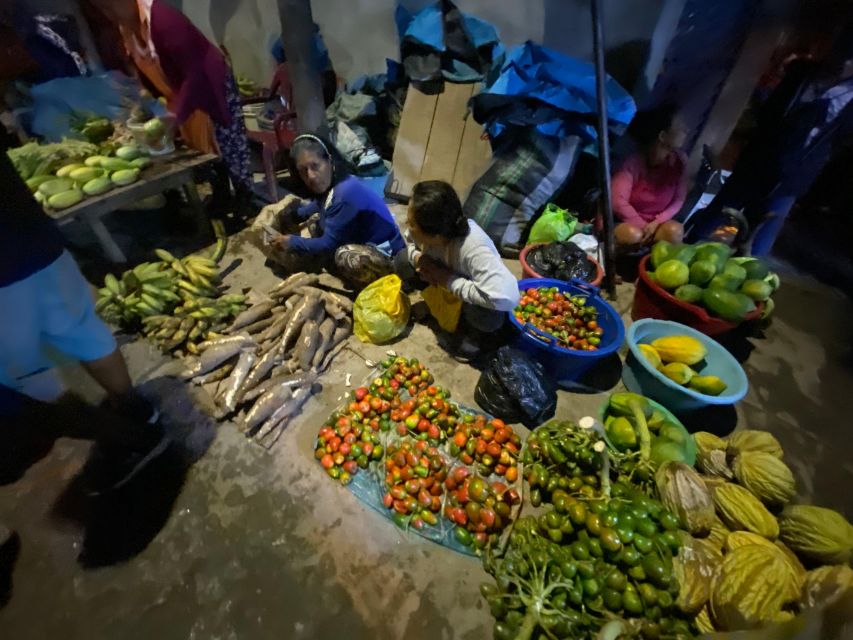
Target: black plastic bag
515 388
561 260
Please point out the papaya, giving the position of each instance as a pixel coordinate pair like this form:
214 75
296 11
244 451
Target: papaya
701 272
650 354
685 349
716 252
689 293
678 372
672 274
725 282
660 253
709 385
735 271
758 290
730 306
755 269
683 253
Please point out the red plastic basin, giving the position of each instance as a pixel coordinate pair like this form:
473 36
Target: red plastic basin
653 301
530 273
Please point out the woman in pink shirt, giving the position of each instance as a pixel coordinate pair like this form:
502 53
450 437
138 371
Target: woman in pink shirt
649 187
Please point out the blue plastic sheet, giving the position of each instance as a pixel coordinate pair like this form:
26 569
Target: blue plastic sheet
550 91
108 94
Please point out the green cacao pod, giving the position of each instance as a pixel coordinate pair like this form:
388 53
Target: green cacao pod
694 568
682 491
753 440
766 476
817 533
742 511
703 621
751 587
711 455
825 585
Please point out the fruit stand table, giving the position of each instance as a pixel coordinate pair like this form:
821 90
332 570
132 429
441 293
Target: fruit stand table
176 170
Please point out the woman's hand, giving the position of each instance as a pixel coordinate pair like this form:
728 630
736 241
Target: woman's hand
280 242
432 271
649 231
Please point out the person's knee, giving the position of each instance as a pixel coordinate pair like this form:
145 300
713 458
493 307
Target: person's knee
670 231
481 319
627 235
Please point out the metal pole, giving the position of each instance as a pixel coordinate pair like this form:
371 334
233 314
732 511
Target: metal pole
603 148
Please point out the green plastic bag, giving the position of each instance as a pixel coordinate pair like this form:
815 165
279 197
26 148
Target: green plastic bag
381 310
554 225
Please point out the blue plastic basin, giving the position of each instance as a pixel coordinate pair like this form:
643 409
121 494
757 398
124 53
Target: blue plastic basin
640 377
566 365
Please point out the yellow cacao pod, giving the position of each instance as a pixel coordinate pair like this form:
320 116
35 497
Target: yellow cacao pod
753 440
742 511
684 349
694 568
682 491
738 539
751 587
711 455
817 533
765 475
825 585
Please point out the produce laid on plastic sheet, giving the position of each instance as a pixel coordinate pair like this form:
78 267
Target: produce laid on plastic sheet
567 318
630 540
405 449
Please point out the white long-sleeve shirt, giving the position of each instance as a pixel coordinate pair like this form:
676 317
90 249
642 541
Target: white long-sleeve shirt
480 276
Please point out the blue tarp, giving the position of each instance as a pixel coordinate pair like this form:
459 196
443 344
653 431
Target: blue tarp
551 91
464 52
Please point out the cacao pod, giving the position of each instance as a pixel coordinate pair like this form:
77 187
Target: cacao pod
742 511
682 491
817 533
703 621
766 476
694 568
825 584
719 533
751 587
753 440
711 455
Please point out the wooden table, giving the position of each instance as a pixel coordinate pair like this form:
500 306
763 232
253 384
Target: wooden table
177 170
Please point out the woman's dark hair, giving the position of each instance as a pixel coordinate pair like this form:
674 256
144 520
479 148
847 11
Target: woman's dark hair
437 210
323 148
647 125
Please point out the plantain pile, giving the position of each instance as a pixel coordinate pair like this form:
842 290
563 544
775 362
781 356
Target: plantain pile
177 303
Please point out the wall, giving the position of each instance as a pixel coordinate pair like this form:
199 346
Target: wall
364 34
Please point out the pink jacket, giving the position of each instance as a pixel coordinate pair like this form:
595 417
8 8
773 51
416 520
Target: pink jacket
643 194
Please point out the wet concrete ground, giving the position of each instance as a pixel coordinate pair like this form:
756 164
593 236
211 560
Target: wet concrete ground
227 540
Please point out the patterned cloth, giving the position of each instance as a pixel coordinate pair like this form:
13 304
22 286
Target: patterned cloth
232 140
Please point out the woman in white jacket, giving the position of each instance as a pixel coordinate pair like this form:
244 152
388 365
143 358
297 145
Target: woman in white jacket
452 251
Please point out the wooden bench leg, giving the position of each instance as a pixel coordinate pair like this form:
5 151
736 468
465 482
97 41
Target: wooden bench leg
114 253
191 192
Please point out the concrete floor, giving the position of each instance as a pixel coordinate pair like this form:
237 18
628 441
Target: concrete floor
231 541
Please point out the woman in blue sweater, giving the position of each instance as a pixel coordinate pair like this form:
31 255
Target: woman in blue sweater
350 225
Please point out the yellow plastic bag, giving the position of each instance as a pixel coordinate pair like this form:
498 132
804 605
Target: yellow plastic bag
444 307
381 310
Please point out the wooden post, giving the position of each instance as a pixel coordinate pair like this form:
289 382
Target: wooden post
297 35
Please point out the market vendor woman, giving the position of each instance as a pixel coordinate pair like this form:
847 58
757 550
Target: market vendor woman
351 229
454 252
649 187
192 75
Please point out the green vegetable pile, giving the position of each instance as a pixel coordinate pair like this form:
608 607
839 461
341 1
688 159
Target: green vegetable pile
611 563
705 274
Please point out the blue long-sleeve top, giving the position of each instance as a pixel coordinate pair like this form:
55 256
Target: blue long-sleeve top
355 215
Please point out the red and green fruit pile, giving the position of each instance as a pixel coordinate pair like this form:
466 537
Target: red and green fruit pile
414 473
490 444
572 321
349 441
428 416
480 509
